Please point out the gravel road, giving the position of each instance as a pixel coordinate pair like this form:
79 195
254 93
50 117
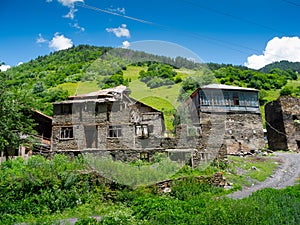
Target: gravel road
285 175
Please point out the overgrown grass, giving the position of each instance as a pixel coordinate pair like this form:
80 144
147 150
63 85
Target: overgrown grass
248 170
24 185
80 87
136 174
132 72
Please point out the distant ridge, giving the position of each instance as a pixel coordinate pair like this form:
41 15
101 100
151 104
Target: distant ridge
283 65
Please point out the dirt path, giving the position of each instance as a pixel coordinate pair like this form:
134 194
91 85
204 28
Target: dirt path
285 175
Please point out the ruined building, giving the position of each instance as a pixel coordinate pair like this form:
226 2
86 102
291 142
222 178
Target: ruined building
226 118
283 123
218 120
107 120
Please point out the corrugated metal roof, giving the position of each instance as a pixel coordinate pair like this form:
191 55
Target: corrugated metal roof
104 92
86 101
226 87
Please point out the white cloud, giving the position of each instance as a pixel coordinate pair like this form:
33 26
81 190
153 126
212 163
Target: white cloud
277 49
20 63
76 25
120 31
71 13
118 10
125 44
40 39
69 3
60 42
3 68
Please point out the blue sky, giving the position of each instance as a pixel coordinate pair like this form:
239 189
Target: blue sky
252 33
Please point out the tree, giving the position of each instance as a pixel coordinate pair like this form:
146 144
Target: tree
191 83
15 110
158 75
286 90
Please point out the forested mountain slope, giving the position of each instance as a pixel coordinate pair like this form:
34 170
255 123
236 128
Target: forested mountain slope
85 68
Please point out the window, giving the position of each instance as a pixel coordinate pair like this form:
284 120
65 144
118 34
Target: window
61 109
66 133
101 108
142 131
114 131
66 109
236 100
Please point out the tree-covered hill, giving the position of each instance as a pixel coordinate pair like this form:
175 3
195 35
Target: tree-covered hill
53 77
283 65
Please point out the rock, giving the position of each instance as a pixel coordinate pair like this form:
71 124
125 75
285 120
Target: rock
227 187
167 190
253 168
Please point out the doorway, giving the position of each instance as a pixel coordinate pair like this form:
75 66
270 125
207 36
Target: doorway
91 134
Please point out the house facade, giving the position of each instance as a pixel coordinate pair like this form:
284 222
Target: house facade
226 118
107 120
283 123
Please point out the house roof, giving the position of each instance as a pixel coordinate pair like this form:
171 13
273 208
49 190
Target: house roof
93 100
41 114
227 87
104 92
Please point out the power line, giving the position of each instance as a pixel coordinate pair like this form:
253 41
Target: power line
233 16
213 40
277 131
193 34
112 13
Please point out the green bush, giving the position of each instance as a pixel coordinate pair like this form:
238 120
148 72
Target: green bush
40 186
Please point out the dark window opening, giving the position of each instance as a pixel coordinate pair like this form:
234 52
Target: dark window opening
66 109
236 100
66 133
100 108
298 145
114 131
142 131
150 129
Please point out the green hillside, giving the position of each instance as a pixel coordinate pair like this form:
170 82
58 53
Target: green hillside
83 69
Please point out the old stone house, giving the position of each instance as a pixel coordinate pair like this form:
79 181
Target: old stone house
283 123
226 118
40 141
109 121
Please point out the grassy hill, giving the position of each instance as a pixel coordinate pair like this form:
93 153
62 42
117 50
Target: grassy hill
80 69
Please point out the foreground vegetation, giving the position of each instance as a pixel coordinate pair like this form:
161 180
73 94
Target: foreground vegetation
45 191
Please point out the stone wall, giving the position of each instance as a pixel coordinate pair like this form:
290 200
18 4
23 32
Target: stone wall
283 128
243 133
94 125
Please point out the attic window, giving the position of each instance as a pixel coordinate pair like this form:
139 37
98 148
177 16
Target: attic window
114 131
66 133
142 131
